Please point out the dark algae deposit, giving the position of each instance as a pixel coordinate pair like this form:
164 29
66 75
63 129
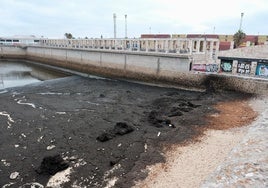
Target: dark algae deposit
97 129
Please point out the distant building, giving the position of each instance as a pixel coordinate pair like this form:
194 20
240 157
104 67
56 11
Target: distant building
227 41
158 36
262 39
211 36
179 36
20 40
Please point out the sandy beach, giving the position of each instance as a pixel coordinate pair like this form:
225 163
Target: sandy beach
211 162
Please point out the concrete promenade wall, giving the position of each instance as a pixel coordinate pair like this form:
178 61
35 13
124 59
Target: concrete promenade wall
150 67
134 65
12 51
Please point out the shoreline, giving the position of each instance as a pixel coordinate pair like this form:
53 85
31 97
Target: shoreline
82 110
205 163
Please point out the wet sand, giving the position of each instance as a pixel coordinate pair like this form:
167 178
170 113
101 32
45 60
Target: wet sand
107 131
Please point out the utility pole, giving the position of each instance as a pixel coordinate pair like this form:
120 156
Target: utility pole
125 26
114 25
241 20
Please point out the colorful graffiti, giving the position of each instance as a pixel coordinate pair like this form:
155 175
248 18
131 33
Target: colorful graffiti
199 67
226 66
205 67
262 70
243 67
212 68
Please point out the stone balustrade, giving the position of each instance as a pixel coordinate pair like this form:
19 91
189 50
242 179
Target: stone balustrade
171 45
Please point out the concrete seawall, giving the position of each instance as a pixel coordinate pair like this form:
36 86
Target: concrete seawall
141 66
130 65
12 52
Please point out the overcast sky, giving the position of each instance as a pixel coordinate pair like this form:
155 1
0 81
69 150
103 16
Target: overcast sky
93 18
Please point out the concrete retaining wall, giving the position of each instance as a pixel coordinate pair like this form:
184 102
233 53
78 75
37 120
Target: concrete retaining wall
12 51
127 63
150 67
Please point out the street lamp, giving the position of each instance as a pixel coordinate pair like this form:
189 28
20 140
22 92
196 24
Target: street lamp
114 16
125 26
240 27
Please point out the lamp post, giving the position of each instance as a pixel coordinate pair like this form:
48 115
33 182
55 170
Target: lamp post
240 27
114 16
125 26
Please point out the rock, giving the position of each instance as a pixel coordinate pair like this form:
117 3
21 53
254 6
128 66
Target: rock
14 175
157 120
52 164
122 128
185 109
102 95
105 137
114 162
152 115
173 114
193 105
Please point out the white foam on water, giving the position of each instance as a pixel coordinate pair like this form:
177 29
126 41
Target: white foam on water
8 185
93 103
5 163
61 113
53 93
3 91
25 103
40 138
9 125
7 115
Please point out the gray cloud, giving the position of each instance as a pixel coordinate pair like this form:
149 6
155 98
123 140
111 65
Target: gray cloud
94 18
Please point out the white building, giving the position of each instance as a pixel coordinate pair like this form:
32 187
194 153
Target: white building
20 40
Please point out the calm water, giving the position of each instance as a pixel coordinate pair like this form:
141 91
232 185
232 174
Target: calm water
19 73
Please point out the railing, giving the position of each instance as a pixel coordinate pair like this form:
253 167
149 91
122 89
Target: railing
171 45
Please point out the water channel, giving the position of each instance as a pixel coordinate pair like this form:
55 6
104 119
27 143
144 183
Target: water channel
19 73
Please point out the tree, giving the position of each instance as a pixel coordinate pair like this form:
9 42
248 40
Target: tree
239 36
68 35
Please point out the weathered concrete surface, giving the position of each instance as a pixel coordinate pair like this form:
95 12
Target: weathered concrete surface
12 51
251 52
237 83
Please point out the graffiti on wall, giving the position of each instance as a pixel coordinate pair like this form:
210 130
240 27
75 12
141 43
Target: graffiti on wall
205 67
243 67
212 68
226 66
199 67
262 70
